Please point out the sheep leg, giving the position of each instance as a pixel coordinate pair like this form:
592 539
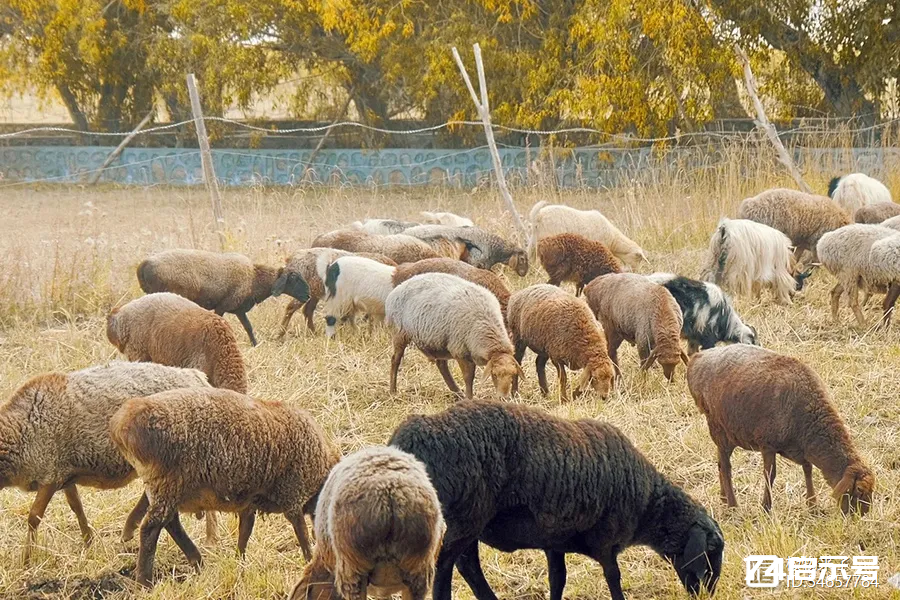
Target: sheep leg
443 574
613 342
309 309
519 354
613 577
578 288
853 295
134 518
448 378
298 522
35 516
836 293
246 519
184 543
212 527
416 587
74 501
400 344
468 371
540 365
888 305
242 317
355 589
810 491
158 516
556 568
563 381
726 486
469 566
292 307
769 471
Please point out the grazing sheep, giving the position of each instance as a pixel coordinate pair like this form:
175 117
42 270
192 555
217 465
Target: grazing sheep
383 226
561 328
379 524
354 284
304 264
447 317
642 312
54 433
802 217
171 330
515 477
571 257
876 213
483 249
484 278
445 218
399 247
709 316
856 190
224 283
787 411
884 258
551 219
219 450
744 256
846 254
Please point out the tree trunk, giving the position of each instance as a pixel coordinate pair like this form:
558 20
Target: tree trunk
71 103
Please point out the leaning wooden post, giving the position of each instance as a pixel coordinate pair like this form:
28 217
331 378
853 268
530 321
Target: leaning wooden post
209 173
763 122
484 111
115 153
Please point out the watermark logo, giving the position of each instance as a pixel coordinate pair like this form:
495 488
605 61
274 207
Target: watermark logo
768 571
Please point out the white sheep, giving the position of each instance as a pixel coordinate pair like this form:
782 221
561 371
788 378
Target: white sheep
447 317
893 223
745 256
551 219
856 190
354 284
446 218
383 226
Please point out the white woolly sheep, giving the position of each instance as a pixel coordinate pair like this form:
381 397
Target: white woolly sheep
893 223
551 219
884 258
856 190
383 226
354 284
447 317
446 218
378 524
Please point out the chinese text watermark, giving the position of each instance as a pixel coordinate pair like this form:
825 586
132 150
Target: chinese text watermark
767 571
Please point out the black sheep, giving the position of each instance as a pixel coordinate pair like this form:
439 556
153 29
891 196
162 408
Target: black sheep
709 316
515 477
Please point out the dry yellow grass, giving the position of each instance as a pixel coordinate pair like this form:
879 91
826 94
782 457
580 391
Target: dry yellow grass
69 255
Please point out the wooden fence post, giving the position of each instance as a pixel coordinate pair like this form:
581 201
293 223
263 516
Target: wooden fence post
115 153
484 111
209 173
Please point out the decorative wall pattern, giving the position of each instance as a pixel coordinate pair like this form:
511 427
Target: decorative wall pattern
589 167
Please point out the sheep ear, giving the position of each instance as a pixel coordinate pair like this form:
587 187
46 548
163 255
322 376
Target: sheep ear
845 485
278 286
684 357
650 360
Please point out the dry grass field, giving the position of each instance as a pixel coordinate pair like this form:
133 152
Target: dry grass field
69 255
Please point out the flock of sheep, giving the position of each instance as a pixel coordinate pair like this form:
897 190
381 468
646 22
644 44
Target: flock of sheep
398 518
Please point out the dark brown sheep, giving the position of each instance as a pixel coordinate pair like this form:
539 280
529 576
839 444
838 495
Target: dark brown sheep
483 277
759 400
571 257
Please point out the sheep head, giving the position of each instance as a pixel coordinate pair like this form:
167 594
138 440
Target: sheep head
749 335
668 362
601 377
503 370
854 490
317 583
700 562
290 282
518 262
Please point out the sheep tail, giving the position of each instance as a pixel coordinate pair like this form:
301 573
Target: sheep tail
228 371
331 277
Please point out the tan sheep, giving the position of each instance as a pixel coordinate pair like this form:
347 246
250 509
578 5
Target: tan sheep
486 279
874 214
171 330
399 247
571 257
54 433
561 328
632 308
199 450
379 524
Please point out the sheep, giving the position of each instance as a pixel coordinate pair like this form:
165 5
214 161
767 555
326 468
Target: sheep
551 219
846 254
893 223
571 257
303 265
383 226
171 330
54 434
884 258
445 218
484 278
447 317
642 312
744 256
876 213
787 411
354 284
561 328
856 190
400 248
709 316
802 217
224 283
482 248
379 524
219 450
516 477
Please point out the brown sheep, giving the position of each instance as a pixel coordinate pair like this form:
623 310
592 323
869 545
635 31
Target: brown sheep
632 308
399 247
171 330
874 214
560 328
483 277
224 283
571 257
199 450
303 265
787 411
